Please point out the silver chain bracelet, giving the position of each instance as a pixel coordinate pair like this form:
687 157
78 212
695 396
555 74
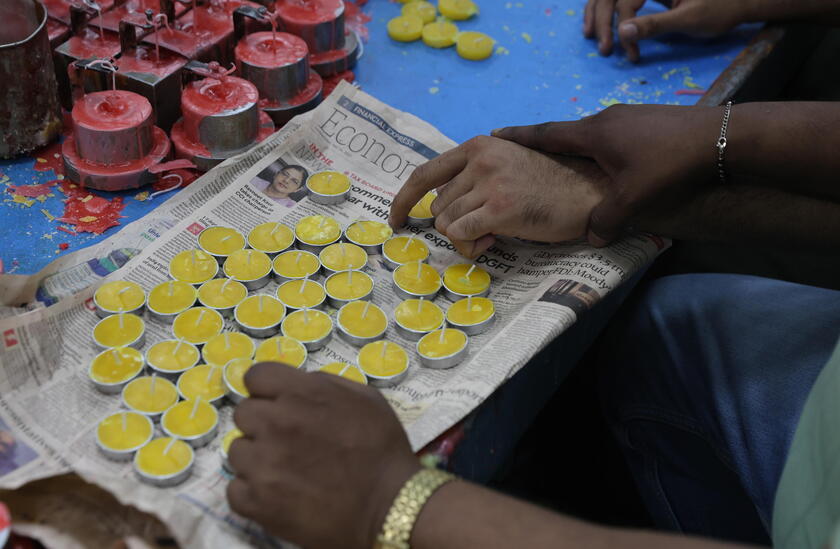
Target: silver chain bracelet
721 142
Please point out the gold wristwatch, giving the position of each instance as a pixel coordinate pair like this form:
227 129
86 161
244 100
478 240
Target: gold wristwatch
399 522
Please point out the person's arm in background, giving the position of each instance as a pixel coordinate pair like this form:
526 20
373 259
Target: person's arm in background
693 17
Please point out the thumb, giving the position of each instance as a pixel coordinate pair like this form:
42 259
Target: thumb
647 26
551 137
607 219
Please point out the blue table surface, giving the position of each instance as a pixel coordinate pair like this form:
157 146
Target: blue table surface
543 69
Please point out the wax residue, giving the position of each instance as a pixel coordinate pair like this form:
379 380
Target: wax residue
355 19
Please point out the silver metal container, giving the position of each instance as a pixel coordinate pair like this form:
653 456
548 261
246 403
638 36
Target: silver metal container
330 271
370 249
314 248
220 258
392 264
154 416
124 455
259 332
256 283
112 388
290 308
338 303
281 278
136 344
355 340
168 318
384 381
442 363
226 312
165 481
420 222
314 344
196 441
405 294
474 329
102 312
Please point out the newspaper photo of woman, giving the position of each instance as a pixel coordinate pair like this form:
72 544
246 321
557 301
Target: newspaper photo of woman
283 183
13 453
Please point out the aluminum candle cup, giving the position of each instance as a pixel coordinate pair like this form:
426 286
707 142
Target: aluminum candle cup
220 242
119 296
169 299
172 357
224 449
164 462
443 348
345 370
312 328
301 294
473 315
421 214
111 369
120 330
316 232
202 382
275 62
234 377
417 317
328 187
225 347
384 363
368 235
259 315
342 288
463 280
271 238
361 322
149 396
193 267
119 435
193 421
197 325
222 295
416 280
250 267
403 249
342 256
284 350
295 265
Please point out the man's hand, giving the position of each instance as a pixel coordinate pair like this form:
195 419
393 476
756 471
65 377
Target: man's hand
490 186
321 460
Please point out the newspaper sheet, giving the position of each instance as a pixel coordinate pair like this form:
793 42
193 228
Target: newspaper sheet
49 406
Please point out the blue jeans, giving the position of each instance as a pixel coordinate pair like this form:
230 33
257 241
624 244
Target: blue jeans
704 378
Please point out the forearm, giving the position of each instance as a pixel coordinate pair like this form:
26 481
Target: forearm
465 516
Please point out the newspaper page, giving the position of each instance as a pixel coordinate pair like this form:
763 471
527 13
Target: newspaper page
51 408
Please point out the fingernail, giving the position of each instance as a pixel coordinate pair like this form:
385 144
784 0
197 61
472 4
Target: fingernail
628 31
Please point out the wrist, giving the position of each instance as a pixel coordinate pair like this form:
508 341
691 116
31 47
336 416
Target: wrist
393 478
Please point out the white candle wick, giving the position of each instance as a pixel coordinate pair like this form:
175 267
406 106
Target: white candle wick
347 366
210 371
200 317
121 319
469 272
420 305
227 340
274 230
116 356
469 303
366 309
350 278
384 350
177 346
192 257
248 261
153 383
225 285
306 315
302 285
124 421
419 269
260 303
169 446
226 238
297 259
171 287
407 243
195 407
279 347
442 335
323 221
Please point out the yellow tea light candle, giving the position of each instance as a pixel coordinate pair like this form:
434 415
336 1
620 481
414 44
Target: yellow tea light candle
345 370
457 10
271 238
440 34
474 46
224 449
119 330
111 369
417 317
193 267
384 363
284 350
119 295
328 187
203 381
119 435
405 28
342 257
313 328
197 325
473 315
420 214
424 10
194 421
222 294
416 280
169 299
463 280
259 315
443 348
369 235
404 249
316 231
234 377
250 267
164 462
348 286
295 264
360 322
170 357
149 395
220 242
223 348
301 294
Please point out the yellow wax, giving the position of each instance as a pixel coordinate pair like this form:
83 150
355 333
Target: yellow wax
222 293
328 183
459 279
347 286
180 421
423 209
271 237
203 381
116 365
457 10
172 297
221 240
124 431
172 356
247 265
318 230
400 250
284 350
197 325
296 264
223 348
146 397
109 333
193 266
307 325
290 294
431 346
152 460
383 359
428 281
235 374
419 315
362 319
228 439
440 34
343 257
470 311
474 46
260 311
369 233
119 295
345 370
424 10
405 28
